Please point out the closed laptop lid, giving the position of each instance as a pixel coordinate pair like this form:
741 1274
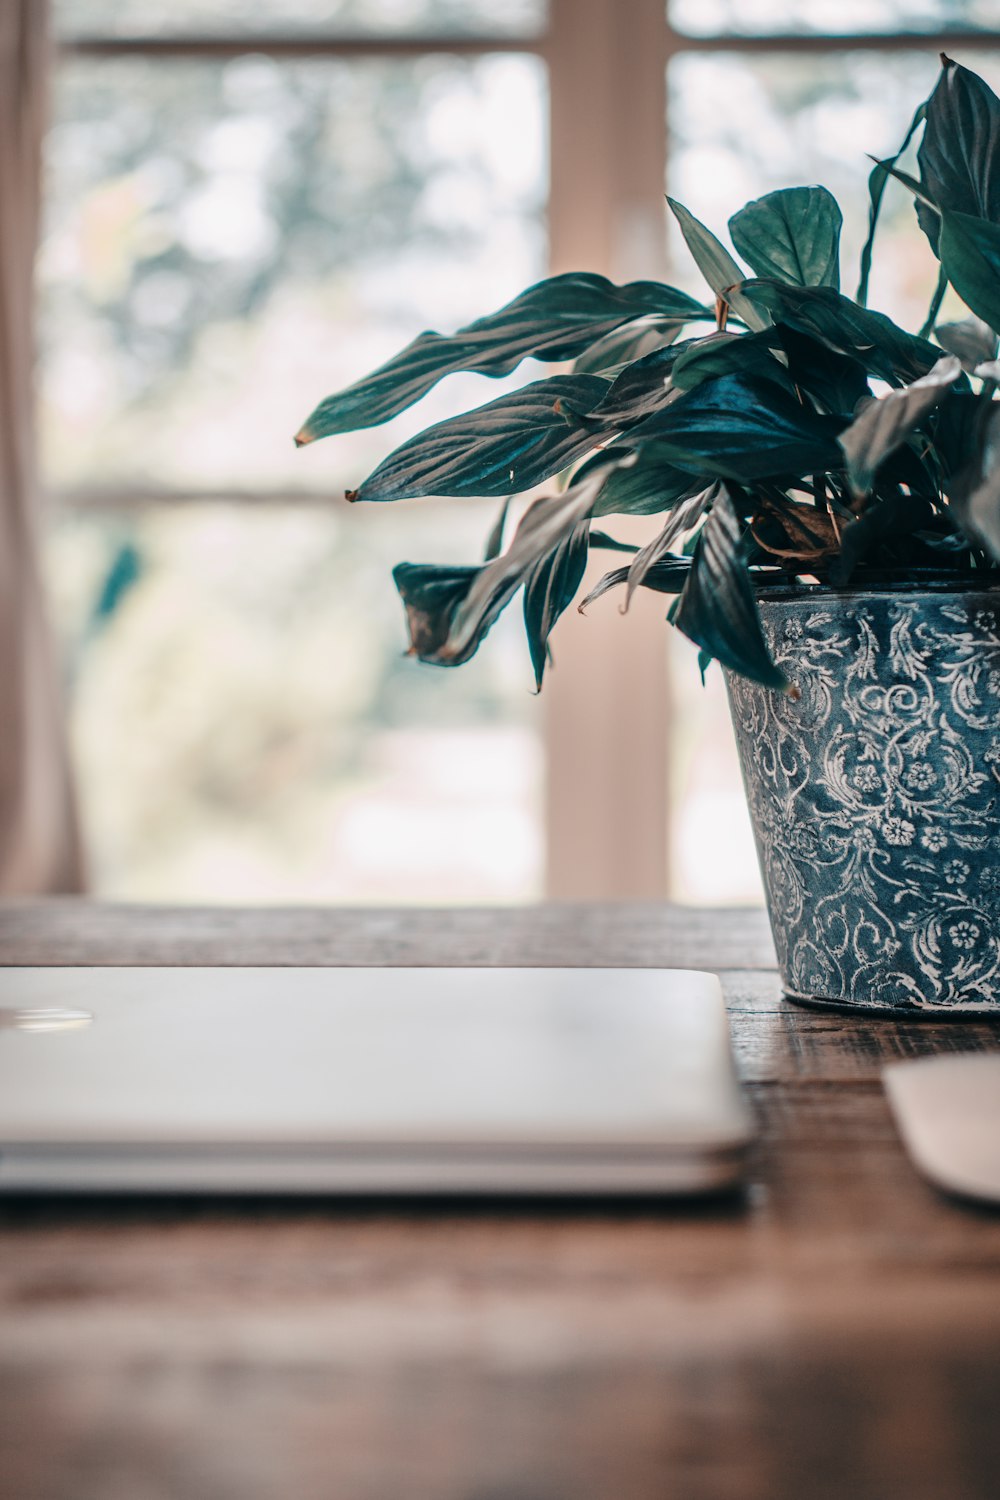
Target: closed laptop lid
403 1057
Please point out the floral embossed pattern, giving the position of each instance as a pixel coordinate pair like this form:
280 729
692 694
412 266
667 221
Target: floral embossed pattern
875 797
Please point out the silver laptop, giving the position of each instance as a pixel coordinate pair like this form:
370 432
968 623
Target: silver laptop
295 1080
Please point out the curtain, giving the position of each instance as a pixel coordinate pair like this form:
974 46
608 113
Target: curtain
39 841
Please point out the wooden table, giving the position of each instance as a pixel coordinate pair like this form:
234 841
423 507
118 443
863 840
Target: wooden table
833 1334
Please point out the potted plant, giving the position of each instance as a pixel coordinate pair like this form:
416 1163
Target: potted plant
830 488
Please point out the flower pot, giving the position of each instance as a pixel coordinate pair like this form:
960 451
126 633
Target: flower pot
875 795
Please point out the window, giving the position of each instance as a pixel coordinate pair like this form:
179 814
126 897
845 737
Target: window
246 209
231 234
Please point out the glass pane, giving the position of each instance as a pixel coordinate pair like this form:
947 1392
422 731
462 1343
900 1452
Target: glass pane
149 18
246 726
225 245
744 125
833 17
228 243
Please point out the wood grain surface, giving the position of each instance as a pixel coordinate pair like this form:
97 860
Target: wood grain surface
831 1333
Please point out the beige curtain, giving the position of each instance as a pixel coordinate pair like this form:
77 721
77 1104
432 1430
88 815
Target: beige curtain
39 842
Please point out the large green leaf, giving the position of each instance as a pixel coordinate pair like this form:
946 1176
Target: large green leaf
718 610
869 337
970 256
960 150
504 447
716 265
792 235
883 424
556 319
742 428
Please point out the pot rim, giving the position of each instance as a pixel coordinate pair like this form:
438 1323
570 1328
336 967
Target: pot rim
884 587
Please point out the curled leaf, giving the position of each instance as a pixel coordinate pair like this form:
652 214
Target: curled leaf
549 588
431 594
451 610
972 340
718 610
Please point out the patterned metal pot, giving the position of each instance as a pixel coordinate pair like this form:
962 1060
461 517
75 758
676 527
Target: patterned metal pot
875 797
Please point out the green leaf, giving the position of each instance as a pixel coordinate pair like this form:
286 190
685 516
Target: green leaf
718 610
869 337
610 543
556 319
630 342
970 257
730 353
431 594
975 490
506 446
960 149
835 382
955 429
451 610
889 520
935 304
642 387
549 588
668 576
743 428
638 482
972 340
883 424
792 235
876 190
716 265
684 517
494 542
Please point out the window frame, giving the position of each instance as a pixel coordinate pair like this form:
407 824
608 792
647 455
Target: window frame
606 730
